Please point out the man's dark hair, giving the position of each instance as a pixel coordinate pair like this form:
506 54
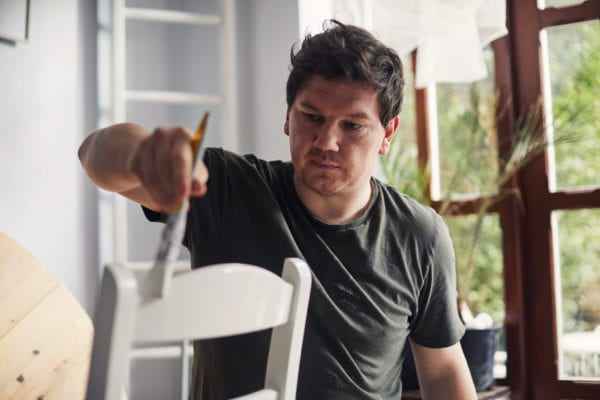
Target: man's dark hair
347 51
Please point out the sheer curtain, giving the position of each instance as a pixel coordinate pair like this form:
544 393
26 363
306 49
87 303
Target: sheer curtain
448 34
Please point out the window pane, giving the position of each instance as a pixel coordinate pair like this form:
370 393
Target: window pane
574 69
400 168
558 3
467 134
479 271
578 255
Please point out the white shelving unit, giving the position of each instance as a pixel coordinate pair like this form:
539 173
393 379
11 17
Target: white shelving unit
145 70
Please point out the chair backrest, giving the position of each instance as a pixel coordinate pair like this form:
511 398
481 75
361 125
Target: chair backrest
208 302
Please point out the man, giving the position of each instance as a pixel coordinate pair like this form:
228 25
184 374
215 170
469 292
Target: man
383 266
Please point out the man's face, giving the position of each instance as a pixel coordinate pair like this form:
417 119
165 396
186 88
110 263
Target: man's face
335 136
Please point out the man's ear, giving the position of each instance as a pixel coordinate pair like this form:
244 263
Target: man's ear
390 132
286 125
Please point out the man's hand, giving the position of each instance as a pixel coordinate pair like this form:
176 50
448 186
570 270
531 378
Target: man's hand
163 164
154 170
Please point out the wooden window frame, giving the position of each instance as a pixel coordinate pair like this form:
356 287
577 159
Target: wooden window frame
530 322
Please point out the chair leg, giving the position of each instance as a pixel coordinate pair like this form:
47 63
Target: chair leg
286 341
113 324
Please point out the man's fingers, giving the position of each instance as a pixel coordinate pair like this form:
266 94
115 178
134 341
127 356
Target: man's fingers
179 165
163 163
160 176
145 169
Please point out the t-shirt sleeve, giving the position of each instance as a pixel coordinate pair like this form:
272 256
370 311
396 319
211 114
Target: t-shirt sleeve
437 323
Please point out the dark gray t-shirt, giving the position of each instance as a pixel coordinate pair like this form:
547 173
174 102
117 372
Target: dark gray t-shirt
377 280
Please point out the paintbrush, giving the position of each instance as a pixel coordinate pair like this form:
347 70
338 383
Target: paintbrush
158 279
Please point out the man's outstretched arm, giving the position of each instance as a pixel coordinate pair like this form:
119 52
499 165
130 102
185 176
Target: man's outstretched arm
150 169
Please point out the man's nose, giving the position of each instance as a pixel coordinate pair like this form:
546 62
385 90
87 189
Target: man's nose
327 138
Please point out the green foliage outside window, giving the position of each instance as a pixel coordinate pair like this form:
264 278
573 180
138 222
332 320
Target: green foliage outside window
574 63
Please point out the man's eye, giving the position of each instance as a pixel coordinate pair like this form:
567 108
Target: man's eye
352 126
312 117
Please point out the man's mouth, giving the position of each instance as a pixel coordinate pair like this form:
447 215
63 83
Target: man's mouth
325 165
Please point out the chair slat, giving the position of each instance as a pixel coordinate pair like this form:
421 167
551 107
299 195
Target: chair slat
215 301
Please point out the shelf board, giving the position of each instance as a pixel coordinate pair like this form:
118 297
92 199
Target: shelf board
167 97
171 16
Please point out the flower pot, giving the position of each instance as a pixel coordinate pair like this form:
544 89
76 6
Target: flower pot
409 371
479 346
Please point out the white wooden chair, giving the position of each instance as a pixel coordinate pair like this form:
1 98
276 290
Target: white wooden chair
208 302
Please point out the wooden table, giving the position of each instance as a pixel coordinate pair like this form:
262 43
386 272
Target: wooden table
496 393
45 335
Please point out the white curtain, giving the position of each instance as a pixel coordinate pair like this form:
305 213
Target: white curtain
449 34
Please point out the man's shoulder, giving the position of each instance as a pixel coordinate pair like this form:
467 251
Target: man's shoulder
404 205
408 217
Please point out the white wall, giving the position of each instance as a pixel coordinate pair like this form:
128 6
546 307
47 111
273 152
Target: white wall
47 103
266 31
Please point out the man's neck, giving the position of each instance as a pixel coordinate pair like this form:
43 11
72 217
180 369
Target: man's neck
336 209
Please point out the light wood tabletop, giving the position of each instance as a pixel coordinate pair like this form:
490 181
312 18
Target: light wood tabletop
45 334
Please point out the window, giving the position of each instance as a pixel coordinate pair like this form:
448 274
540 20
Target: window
538 268
552 251
571 56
